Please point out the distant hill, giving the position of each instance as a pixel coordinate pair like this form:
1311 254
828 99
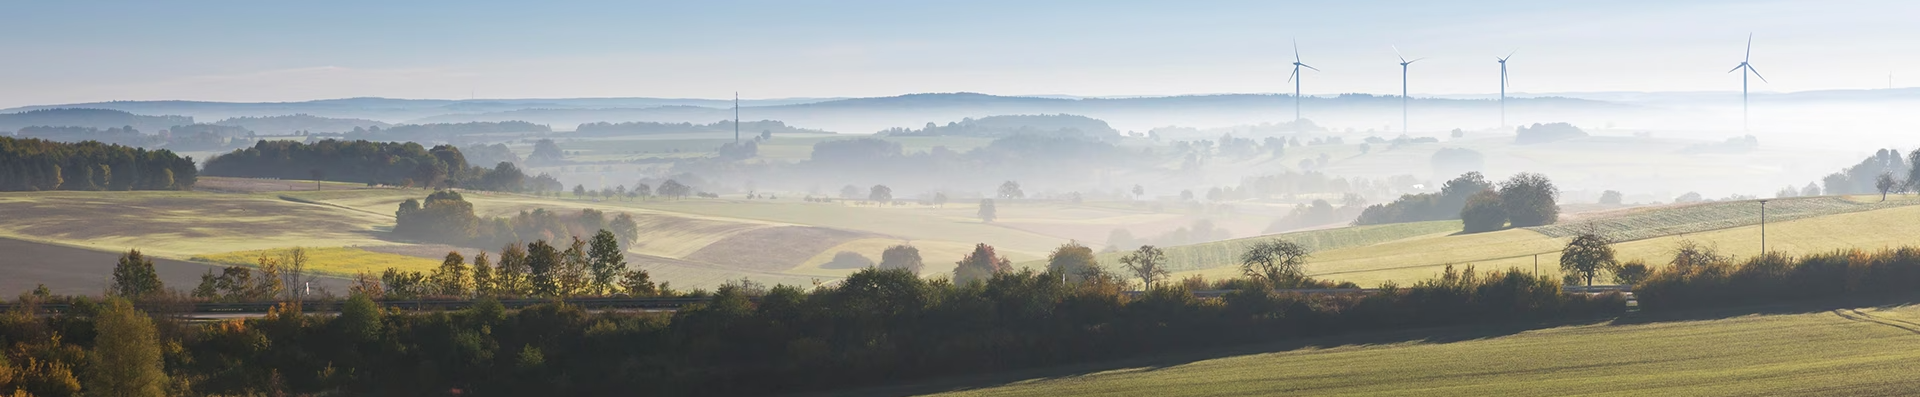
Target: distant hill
860 115
1000 126
394 111
89 118
723 126
285 125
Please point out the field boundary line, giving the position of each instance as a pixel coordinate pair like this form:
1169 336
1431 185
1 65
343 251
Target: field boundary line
325 204
1859 316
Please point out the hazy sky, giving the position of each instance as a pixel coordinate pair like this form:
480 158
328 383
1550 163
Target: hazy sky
74 51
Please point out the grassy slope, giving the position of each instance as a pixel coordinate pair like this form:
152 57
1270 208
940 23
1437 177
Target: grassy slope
1226 254
1423 257
1821 353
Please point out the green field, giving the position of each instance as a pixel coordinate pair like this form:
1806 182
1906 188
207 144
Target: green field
1644 223
1823 224
1867 351
1226 254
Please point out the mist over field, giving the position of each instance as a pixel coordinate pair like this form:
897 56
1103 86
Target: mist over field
1062 198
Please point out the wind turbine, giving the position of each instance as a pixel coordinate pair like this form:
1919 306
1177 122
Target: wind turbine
1403 87
1295 79
1743 81
1503 88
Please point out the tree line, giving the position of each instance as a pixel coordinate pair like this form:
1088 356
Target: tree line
879 325
40 165
1883 172
446 217
445 130
95 118
406 164
593 267
751 129
1524 200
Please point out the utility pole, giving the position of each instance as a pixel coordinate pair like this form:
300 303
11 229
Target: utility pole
1763 227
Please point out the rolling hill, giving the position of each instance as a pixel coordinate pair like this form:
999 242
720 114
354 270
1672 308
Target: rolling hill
1803 352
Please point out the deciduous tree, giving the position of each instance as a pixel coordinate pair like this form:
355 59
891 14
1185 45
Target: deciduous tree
1011 190
126 358
1149 264
134 277
1278 262
1612 197
1483 213
980 265
1885 183
1073 261
1586 256
1530 200
451 278
608 261
880 194
543 267
901 257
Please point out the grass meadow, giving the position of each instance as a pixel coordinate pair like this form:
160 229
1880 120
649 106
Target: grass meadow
1840 226
1865 351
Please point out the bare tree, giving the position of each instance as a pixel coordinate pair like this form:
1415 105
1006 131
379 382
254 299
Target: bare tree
1587 255
294 273
1277 261
1147 263
1886 184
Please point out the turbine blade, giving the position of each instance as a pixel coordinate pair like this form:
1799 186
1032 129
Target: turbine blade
1415 60
1396 52
1310 67
1749 48
1296 73
1296 50
1510 54
1756 73
1737 68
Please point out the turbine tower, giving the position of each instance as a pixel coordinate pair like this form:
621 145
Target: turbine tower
736 117
1295 79
1503 88
1403 87
1743 82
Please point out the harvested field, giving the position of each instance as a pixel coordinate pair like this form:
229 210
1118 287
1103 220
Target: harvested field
77 271
256 185
181 224
688 275
336 261
773 248
428 251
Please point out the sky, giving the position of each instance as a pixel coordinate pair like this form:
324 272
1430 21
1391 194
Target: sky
71 51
